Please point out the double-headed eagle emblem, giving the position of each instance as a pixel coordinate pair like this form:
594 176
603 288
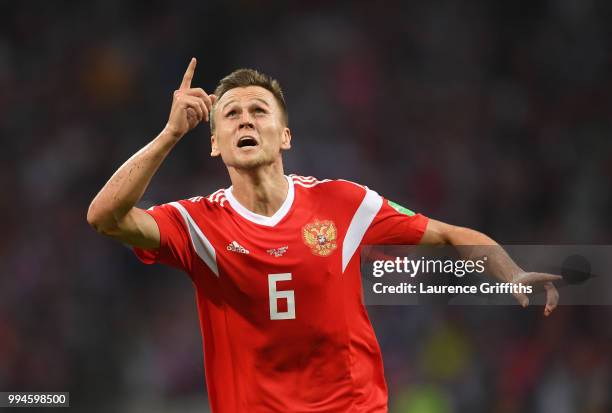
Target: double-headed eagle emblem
320 236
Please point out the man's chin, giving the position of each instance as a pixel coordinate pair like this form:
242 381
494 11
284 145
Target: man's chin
247 163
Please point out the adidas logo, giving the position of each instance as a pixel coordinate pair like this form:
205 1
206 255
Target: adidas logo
235 247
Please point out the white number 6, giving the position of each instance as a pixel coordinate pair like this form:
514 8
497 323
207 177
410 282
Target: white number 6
275 295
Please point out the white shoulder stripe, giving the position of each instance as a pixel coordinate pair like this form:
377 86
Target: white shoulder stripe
371 204
213 195
200 243
310 185
304 178
216 197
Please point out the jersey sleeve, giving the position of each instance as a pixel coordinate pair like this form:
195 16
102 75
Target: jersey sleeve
394 224
175 245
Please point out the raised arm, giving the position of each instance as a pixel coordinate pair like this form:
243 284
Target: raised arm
113 212
499 262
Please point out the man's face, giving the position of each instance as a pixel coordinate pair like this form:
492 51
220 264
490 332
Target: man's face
249 128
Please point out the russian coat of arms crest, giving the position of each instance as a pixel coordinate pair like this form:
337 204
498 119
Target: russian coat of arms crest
320 236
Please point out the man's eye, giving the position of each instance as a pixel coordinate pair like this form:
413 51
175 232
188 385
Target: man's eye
259 110
230 113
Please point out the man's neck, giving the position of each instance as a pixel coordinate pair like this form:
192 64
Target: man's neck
262 190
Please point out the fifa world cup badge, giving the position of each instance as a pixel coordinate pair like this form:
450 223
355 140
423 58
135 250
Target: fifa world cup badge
320 237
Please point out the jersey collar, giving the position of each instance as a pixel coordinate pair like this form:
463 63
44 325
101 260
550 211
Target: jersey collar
262 219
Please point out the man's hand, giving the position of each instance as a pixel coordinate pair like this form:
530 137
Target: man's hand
113 211
190 106
539 279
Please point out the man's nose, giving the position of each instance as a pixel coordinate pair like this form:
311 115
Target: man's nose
245 119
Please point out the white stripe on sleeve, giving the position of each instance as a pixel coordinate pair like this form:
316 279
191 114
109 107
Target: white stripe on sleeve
200 243
371 204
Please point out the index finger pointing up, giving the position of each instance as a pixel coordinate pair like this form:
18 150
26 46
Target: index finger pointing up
186 83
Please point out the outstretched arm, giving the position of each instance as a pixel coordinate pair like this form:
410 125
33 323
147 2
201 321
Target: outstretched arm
500 263
113 212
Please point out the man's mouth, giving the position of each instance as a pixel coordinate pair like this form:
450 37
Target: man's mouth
247 141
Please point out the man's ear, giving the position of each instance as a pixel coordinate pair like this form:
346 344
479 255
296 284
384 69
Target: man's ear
214 147
286 139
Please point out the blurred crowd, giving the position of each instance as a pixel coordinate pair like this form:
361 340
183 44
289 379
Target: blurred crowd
492 115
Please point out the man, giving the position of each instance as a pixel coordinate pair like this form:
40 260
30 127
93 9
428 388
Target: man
274 258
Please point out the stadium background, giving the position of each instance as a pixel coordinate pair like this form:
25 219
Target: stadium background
494 115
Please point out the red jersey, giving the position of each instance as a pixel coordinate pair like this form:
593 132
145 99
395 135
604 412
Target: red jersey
279 298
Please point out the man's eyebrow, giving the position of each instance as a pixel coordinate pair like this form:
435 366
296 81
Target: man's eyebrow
227 103
262 101
233 101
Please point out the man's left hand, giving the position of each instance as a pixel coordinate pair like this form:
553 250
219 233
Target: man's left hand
538 279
